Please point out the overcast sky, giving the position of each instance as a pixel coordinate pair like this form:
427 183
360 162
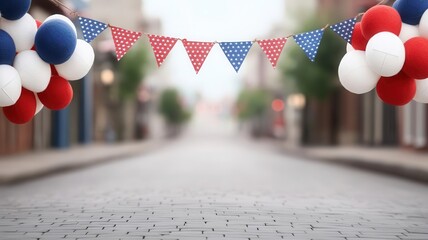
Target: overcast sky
211 20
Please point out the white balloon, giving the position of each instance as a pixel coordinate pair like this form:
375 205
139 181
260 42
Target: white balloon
10 86
35 73
22 31
408 32
349 48
421 91
423 25
62 18
39 105
355 75
385 54
79 64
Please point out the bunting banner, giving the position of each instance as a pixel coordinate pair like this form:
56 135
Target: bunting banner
123 40
309 42
198 52
273 49
91 28
345 29
236 52
161 46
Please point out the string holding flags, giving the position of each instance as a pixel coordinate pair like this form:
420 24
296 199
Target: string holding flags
236 52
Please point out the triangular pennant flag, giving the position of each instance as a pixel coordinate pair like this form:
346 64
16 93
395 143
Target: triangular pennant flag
198 52
236 52
273 48
91 28
161 47
123 40
345 29
310 42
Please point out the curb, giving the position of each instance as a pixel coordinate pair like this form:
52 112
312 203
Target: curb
393 170
414 174
121 153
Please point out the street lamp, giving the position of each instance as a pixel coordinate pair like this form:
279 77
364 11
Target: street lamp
107 77
297 101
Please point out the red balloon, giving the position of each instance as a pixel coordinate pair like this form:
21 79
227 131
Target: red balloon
57 95
23 110
416 64
397 90
54 72
358 41
39 23
381 19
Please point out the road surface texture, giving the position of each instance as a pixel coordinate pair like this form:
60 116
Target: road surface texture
212 184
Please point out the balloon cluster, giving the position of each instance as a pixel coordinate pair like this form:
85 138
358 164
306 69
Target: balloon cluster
389 52
37 61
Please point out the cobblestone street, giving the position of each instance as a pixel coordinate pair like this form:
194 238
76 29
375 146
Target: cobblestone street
215 185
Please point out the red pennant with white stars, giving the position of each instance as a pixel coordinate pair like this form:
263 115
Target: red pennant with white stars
123 40
161 47
273 49
198 52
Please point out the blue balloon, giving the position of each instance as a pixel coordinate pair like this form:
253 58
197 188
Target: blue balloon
14 9
411 11
7 49
55 42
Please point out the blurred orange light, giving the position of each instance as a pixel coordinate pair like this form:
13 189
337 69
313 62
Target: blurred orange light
278 105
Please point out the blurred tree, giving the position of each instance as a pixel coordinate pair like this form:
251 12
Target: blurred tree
252 103
171 107
132 69
315 80
318 81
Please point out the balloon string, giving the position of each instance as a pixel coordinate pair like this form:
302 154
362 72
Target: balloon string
60 4
383 2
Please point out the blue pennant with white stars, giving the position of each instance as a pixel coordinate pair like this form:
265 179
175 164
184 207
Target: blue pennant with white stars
236 52
345 29
91 28
310 42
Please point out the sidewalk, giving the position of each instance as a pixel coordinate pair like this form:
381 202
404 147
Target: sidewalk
400 162
35 164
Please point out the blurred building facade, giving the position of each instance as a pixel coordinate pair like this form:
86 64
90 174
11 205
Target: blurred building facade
113 118
137 117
